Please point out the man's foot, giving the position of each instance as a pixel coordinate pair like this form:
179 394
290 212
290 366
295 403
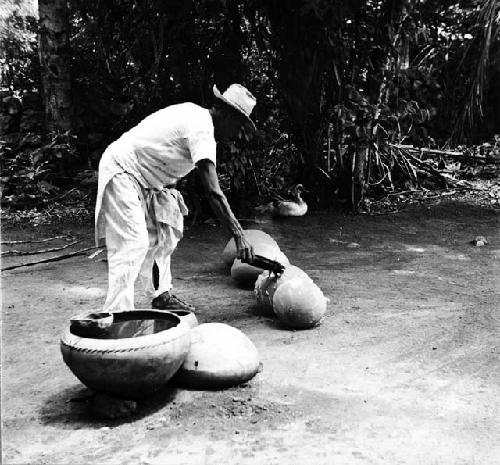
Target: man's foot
167 301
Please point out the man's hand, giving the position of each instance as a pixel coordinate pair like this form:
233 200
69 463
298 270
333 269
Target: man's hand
244 250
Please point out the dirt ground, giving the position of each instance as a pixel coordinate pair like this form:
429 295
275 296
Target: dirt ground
404 368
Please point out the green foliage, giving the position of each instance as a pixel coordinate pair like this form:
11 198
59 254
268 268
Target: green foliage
124 72
348 75
262 166
134 57
458 49
19 66
33 167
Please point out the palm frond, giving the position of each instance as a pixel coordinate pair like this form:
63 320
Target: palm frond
476 60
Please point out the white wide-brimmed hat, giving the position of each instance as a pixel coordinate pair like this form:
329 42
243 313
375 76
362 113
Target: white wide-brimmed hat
239 98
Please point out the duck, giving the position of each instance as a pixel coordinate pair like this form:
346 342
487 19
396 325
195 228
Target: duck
281 207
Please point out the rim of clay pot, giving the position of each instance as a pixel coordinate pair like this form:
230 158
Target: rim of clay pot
173 311
128 344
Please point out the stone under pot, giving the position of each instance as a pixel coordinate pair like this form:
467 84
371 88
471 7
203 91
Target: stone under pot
130 357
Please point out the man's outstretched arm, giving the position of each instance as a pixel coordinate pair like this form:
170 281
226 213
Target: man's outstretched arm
221 208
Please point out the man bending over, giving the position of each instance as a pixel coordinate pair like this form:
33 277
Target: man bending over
140 213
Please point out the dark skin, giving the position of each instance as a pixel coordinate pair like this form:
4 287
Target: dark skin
227 125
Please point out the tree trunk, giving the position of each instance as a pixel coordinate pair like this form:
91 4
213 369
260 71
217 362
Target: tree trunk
55 64
397 11
359 168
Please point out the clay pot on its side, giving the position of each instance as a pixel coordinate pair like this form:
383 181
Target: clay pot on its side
220 356
254 236
267 284
299 303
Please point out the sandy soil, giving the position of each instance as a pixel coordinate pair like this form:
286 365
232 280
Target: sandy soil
403 370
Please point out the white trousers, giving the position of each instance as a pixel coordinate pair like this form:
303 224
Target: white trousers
133 244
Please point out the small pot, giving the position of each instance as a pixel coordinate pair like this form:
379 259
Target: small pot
90 324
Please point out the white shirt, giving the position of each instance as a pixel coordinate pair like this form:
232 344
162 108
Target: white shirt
166 145
160 150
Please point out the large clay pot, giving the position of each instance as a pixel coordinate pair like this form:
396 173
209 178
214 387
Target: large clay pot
268 282
131 358
254 236
220 356
299 303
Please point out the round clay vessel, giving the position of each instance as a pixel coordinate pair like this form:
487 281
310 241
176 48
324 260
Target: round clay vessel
299 303
220 356
131 358
267 284
254 236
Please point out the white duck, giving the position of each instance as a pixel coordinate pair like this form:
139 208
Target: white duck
295 207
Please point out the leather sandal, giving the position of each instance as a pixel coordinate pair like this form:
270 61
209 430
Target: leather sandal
167 301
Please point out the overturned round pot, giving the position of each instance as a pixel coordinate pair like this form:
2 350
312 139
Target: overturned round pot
132 357
220 356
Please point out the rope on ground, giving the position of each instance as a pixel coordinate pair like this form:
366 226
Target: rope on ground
34 252
52 259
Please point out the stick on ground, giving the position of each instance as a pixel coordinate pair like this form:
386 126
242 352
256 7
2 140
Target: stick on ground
32 241
52 259
34 252
449 153
431 170
96 253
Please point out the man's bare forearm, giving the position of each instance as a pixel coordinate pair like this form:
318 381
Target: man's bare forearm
221 208
217 199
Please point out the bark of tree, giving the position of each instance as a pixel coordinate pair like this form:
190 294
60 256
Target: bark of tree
55 64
